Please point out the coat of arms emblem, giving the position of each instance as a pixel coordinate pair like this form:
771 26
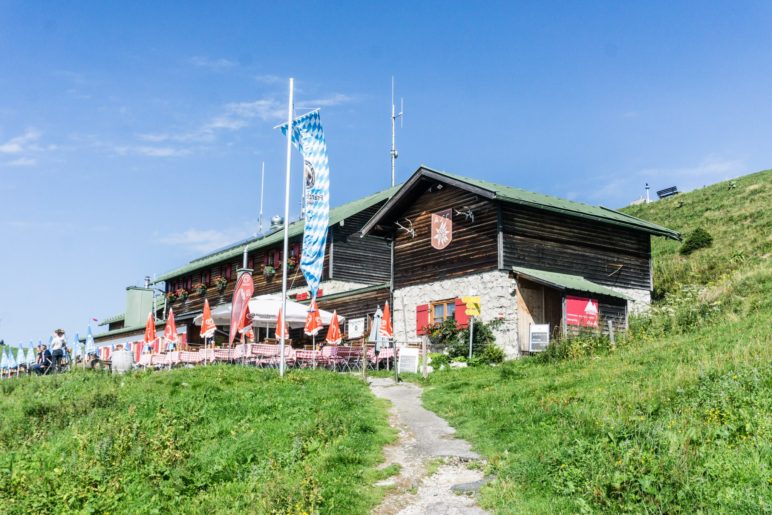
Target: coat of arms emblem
442 229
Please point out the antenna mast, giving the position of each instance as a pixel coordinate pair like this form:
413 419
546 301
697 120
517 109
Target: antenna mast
260 216
394 116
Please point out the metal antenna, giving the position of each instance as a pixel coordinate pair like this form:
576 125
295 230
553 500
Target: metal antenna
394 116
260 216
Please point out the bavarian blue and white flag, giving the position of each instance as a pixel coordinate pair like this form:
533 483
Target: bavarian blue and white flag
90 345
308 137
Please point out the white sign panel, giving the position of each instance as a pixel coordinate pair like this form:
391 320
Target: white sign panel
408 360
356 328
538 337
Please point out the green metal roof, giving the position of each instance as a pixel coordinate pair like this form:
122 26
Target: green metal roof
566 281
541 201
112 319
337 214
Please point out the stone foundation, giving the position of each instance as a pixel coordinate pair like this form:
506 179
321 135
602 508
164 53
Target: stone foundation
496 290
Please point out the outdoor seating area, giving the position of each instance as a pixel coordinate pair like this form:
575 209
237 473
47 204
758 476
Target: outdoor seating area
334 357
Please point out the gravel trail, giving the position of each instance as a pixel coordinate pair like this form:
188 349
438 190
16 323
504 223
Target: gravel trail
433 461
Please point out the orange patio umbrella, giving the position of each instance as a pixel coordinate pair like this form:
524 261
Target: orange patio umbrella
207 323
386 329
150 328
281 327
170 331
313 324
333 333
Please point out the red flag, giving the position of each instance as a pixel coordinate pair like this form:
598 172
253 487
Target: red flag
207 323
245 324
170 331
386 330
313 319
333 333
241 295
150 328
281 327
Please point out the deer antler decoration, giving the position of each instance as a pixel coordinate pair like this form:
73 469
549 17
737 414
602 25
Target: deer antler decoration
466 212
409 229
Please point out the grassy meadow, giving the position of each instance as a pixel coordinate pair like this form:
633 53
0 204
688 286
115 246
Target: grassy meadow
677 418
219 439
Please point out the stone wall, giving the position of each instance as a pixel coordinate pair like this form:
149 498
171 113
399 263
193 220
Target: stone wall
496 290
641 299
329 287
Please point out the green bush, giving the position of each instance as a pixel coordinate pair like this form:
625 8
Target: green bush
438 360
455 340
698 239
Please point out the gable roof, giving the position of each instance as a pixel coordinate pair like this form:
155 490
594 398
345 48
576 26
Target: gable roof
519 196
337 214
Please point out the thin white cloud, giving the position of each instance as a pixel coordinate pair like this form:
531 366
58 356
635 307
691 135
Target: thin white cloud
212 64
205 240
270 79
151 151
23 161
628 187
21 144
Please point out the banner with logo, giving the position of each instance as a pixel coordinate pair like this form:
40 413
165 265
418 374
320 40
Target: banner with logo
308 138
240 304
581 311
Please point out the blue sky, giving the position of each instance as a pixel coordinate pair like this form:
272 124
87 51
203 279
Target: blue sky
131 134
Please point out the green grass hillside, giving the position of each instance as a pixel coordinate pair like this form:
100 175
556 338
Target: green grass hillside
678 417
219 439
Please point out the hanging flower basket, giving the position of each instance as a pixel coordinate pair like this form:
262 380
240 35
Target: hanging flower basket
269 271
171 296
222 283
183 295
292 263
200 288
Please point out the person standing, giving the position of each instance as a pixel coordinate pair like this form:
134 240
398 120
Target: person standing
58 346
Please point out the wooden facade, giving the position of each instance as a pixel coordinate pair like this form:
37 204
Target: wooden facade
472 250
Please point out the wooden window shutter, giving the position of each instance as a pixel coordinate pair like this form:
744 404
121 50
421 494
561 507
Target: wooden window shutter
421 318
276 259
228 271
462 319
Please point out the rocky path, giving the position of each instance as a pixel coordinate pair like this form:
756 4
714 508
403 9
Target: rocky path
439 473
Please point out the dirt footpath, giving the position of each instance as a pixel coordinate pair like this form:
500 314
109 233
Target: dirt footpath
440 473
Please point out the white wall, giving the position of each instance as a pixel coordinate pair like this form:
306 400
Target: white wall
497 298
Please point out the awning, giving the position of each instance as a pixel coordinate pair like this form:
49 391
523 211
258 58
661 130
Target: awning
265 310
566 282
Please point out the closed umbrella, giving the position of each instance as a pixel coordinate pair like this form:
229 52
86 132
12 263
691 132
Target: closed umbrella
386 330
170 331
282 331
333 333
313 324
208 327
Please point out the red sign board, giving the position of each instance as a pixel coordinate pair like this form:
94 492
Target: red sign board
581 311
442 229
304 295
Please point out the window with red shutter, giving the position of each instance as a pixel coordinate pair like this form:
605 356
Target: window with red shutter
462 319
228 271
421 319
276 259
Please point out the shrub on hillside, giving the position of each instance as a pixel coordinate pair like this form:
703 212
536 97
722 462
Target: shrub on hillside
698 239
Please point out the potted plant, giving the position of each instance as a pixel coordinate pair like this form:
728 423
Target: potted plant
200 288
269 271
221 283
292 262
171 296
182 294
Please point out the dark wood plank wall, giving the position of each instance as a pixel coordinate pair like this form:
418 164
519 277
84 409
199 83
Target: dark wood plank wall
473 248
609 308
355 306
558 243
363 260
263 284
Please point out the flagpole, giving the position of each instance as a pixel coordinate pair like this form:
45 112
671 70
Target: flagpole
286 225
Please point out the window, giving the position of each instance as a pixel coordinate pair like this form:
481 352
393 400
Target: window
442 310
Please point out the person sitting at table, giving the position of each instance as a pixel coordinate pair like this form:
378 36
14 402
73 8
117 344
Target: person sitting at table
43 361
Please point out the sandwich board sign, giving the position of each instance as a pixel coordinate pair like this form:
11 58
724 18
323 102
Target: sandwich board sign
356 328
408 360
538 337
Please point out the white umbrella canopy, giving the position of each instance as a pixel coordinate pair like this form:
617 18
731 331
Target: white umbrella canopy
265 311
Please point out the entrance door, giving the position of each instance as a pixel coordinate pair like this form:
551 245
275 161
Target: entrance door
537 304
